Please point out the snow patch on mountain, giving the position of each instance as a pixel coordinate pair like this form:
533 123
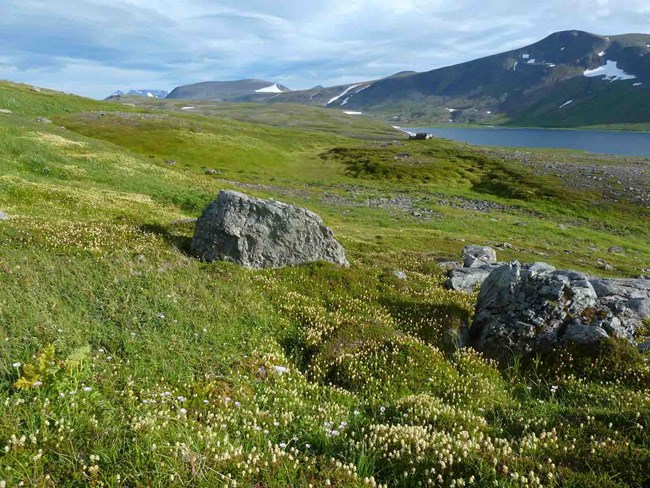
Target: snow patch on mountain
610 72
566 103
350 112
347 90
270 89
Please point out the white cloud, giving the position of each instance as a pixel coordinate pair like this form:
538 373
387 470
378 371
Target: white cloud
98 46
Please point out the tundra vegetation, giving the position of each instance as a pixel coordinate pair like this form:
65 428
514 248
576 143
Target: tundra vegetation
124 361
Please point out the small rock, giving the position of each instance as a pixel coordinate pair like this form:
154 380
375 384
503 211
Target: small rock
400 275
616 250
36 89
5 111
43 120
562 227
210 171
4 216
507 245
171 162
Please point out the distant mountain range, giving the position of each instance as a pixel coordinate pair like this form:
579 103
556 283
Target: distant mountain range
140 93
569 79
230 91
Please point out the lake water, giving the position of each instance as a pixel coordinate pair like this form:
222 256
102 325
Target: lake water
601 142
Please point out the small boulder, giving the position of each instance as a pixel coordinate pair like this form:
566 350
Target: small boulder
616 250
476 256
5 111
468 279
43 120
258 233
4 216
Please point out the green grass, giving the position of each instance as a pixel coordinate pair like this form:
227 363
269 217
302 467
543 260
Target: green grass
140 366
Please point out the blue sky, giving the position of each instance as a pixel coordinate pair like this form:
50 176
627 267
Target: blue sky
94 47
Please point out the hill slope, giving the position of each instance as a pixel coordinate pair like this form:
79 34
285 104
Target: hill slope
124 361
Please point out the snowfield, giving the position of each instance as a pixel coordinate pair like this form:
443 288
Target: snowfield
270 89
611 72
566 103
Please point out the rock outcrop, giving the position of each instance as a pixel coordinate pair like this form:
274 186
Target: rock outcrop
258 233
526 309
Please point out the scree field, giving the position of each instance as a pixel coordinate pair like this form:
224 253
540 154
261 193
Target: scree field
124 361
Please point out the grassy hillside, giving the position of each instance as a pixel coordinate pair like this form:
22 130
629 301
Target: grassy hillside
126 362
290 115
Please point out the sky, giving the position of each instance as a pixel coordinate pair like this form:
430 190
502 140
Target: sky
94 47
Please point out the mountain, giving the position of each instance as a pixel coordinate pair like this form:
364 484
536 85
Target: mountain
241 90
570 78
139 93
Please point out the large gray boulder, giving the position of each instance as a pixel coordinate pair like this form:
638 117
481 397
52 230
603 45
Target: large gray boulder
526 309
258 233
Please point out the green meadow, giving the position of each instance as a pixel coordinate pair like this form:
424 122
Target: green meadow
124 361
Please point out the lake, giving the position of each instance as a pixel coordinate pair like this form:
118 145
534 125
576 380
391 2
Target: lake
601 142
